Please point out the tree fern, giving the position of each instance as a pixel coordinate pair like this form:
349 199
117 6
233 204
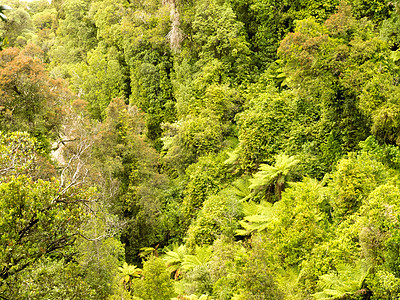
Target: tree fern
276 175
346 281
174 258
240 188
257 218
128 273
200 258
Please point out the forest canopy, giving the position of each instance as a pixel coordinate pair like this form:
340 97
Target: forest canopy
210 149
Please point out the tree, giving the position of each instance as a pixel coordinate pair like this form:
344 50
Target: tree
131 182
263 127
220 41
275 176
18 154
30 100
136 33
376 11
156 282
355 177
268 21
217 217
300 221
39 219
257 217
348 280
197 277
18 28
256 280
100 79
76 33
174 258
202 180
127 274
51 278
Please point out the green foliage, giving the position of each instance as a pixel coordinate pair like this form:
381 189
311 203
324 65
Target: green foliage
76 34
136 35
203 179
18 28
256 280
129 169
101 79
223 266
198 281
387 154
45 19
151 91
99 257
18 152
127 274
322 62
377 11
203 82
262 128
197 278
192 137
389 32
52 279
200 258
194 297
38 219
156 282
174 258
355 177
221 41
348 280
378 236
218 216
384 285
257 217
275 176
300 221
31 101
268 21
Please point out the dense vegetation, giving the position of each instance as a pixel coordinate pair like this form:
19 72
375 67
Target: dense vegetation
209 149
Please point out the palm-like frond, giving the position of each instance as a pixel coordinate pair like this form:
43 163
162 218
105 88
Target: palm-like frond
285 163
174 257
258 217
130 270
201 257
346 281
276 175
147 251
127 273
240 188
264 177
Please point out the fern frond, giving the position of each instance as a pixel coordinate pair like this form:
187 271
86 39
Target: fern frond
240 188
202 256
346 281
258 217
